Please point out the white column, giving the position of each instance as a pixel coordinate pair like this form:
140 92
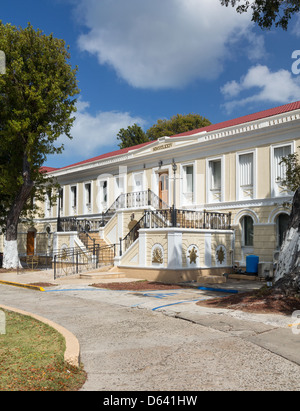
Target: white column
174 249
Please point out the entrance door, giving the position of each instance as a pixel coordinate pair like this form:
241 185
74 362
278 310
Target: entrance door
164 187
30 243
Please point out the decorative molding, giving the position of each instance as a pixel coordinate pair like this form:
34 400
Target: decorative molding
221 255
192 256
157 255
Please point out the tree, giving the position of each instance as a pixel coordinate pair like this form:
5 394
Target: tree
134 135
176 125
267 12
131 136
36 105
287 274
292 171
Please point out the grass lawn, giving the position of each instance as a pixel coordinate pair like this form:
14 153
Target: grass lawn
32 358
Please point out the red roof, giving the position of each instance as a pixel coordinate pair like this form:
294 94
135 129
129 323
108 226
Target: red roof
245 119
107 155
213 127
47 169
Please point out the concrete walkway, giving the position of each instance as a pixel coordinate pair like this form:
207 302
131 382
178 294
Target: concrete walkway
133 340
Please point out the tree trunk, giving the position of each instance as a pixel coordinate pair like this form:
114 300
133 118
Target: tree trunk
10 254
287 275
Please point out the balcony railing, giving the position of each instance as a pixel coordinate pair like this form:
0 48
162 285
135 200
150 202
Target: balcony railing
173 217
139 199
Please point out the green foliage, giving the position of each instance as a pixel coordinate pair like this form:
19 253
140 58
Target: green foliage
134 135
131 136
36 105
176 125
292 174
267 12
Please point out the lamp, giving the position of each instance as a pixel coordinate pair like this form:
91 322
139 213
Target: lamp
174 168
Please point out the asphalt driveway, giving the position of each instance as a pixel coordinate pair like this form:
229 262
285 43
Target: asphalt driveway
161 341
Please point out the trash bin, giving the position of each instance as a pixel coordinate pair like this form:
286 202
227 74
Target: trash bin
252 264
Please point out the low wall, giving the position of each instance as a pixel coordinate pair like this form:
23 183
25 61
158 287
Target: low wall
176 276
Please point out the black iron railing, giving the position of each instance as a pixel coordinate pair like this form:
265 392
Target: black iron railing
173 217
139 199
75 260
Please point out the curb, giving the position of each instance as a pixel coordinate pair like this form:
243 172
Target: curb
31 287
72 352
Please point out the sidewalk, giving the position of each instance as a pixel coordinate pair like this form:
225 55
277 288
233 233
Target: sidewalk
269 331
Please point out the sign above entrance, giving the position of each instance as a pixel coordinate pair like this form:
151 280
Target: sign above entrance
162 147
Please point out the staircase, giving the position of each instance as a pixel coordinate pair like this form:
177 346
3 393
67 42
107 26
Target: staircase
92 241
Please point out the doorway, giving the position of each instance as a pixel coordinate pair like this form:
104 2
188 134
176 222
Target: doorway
30 242
164 187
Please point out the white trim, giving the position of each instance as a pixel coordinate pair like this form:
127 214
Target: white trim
182 200
84 204
208 179
61 212
73 209
101 204
48 209
246 212
254 176
174 249
134 185
274 214
155 180
273 185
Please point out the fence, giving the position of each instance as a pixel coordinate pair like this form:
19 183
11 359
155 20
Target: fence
137 199
71 261
173 217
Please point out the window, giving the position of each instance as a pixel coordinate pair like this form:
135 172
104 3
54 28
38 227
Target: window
245 176
88 198
215 175
279 170
138 182
48 203
61 201
214 181
247 231
188 184
73 199
282 224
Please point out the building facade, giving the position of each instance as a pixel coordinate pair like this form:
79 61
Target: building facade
180 207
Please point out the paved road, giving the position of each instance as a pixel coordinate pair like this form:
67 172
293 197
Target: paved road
162 341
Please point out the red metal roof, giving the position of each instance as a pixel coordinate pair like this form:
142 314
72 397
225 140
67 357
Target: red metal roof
47 169
245 119
213 127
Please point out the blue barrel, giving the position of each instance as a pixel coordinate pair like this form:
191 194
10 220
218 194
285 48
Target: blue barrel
252 264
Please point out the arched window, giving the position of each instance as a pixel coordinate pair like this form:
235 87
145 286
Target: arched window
247 231
281 223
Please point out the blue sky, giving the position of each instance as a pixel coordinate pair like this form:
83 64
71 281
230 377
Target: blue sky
140 61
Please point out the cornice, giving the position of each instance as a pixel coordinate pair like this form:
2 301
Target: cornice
252 131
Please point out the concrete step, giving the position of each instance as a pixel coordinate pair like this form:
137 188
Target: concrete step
102 275
211 279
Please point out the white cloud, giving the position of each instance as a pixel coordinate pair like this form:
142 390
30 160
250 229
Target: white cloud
163 44
264 85
93 133
296 27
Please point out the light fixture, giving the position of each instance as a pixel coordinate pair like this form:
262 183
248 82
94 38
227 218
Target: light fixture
174 166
